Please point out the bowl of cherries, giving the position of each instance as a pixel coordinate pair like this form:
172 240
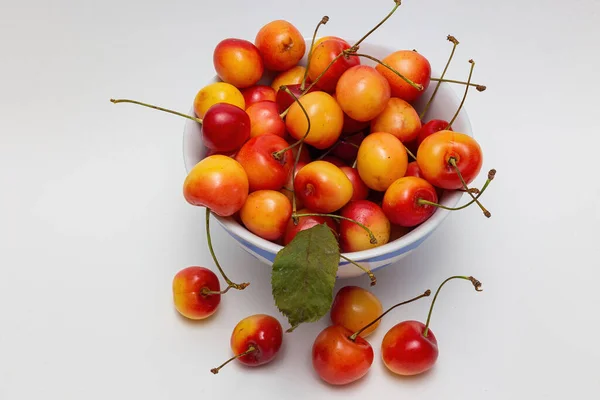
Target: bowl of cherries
325 158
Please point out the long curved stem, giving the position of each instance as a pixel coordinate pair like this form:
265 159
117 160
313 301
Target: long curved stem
398 3
365 269
212 253
480 88
278 154
475 283
372 238
355 334
454 44
318 78
464 96
417 86
250 350
323 21
491 175
452 161
116 101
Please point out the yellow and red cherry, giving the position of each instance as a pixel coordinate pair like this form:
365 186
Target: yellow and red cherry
292 76
219 183
354 307
264 171
362 93
326 120
411 65
196 292
265 119
354 237
322 187
255 341
360 191
381 159
238 62
307 222
403 201
324 75
281 45
398 118
258 93
445 156
218 92
266 214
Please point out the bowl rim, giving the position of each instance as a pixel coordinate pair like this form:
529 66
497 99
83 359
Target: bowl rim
449 199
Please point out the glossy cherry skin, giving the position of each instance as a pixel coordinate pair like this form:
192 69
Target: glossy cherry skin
257 93
436 151
401 201
322 56
346 150
263 170
413 170
238 62
188 285
354 307
261 331
306 223
217 182
431 127
266 214
413 66
339 360
281 45
225 127
322 187
360 190
405 351
284 100
352 236
265 119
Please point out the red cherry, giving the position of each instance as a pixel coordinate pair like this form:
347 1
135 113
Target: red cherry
284 100
264 119
257 93
225 127
339 360
307 222
431 127
361 191
405 351
402 202
347 148
196 292
413 170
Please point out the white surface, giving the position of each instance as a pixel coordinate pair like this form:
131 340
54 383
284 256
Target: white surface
93 225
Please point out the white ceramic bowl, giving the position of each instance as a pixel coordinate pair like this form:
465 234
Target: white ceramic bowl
443 107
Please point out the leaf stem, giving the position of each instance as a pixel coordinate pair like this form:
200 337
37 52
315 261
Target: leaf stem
475 283
250 350
323 21
365 269
454 44
116 101
417 86
371 236
214 257
464 96
355 334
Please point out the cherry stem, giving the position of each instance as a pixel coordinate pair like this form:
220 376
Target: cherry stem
323 21
455 43
116 101
250 350
452 161
365 269
480 88
355 334
336 144
206 291
397 4
371 236
417 86
491 175
410 153
313 83
212 253
278 154
475 283
464 96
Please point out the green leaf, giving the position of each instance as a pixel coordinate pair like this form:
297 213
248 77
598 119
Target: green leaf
304 273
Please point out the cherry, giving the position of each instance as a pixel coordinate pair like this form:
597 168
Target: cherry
412 66
353 307
413 170
255 341
410 347
334 160
360 191
225 126
284 100
307 222
196 292
322 187
324 38
352 236
265 119
292 76
217 92
219 183
281 45
264 171
257 93
341 357
402 202
238 62
266 214
398 118
327 64
347 147
431 127
362 93
381 159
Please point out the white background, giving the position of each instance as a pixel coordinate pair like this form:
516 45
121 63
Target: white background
93 224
